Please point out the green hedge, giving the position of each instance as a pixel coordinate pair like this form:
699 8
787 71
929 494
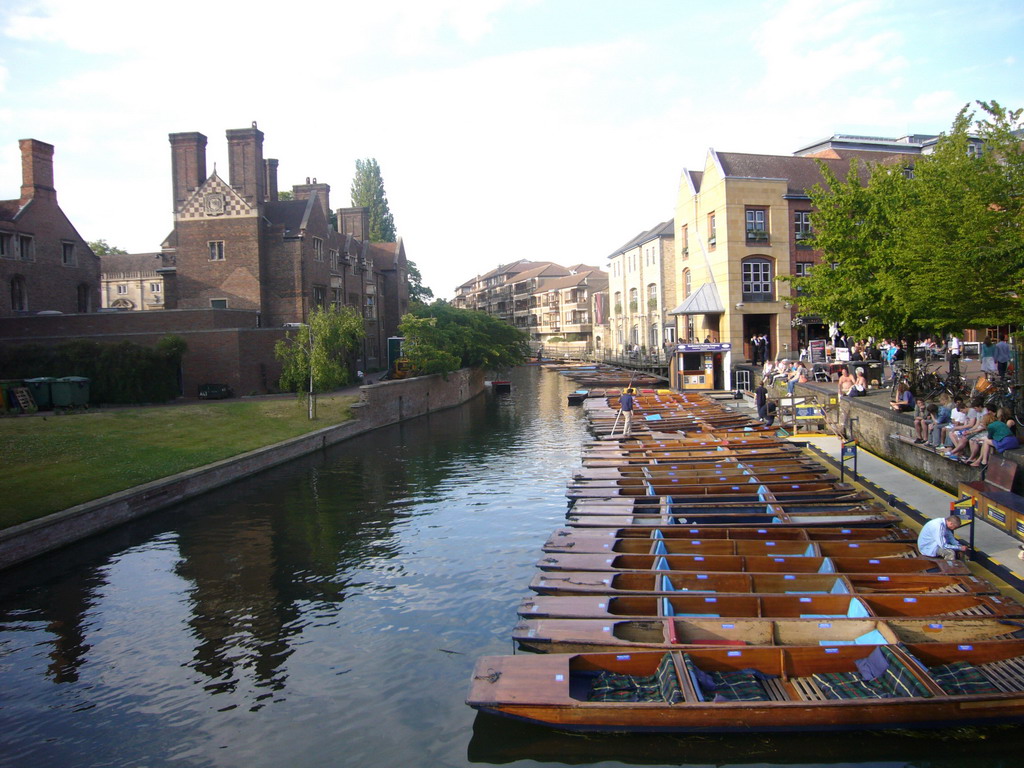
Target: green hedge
118 373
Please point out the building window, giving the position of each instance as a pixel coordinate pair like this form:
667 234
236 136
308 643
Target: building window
19 295
652 296
712 231
685 240
757 225
67 254
218 303
5 245
319 296
634 303
25 250
335 260
757 280
802 228
216 250
686 283
122 289
803 269
336 298
155 287
318 249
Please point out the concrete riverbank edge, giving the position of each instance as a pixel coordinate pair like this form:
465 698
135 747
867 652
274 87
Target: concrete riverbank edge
380 405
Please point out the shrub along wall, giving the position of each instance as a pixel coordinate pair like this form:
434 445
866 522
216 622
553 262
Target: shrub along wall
118 373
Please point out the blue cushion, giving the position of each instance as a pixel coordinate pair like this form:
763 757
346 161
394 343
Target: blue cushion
857 609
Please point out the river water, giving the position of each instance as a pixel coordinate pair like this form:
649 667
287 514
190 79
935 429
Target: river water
329 613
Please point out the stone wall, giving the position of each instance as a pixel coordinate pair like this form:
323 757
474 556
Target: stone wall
380 405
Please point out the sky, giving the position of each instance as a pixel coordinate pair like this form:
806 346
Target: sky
549 130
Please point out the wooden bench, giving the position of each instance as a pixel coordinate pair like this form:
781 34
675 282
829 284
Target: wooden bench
997 504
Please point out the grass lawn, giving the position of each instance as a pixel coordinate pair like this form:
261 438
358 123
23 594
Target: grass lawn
54 462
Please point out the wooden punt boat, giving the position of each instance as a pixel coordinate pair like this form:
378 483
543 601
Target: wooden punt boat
577 397
797 688
672 564
652 583
609 539
726 546
769 606
697 493
599 636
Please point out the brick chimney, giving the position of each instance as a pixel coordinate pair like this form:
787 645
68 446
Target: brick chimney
188 164
305 191
355 222
36 170
270 184
245 162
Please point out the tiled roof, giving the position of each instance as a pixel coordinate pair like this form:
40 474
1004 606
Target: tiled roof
664 229
114 263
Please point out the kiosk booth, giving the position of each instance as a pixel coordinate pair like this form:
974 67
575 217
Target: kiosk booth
701 366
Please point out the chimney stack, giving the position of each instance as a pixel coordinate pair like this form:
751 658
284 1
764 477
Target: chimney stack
36 170
245 161
270 166
188 164
305 191
355 222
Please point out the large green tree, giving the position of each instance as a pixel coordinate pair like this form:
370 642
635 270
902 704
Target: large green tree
368 192
103 248
440 338
336 332
933 246
418 292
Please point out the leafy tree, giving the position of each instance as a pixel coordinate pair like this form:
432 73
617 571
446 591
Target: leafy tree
936 247
285 194
368 192
440 338
336 334
102 248
417 290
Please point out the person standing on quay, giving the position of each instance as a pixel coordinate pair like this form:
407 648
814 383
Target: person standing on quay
1002 355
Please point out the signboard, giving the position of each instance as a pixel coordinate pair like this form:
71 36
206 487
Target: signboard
816 348
847 451
704 347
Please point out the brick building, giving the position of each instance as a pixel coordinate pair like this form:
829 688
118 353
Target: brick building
45 265
235 245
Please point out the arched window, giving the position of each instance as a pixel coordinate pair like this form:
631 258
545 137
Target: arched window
617 305
652 297
634 335
686 283
634 305
758 284
19 294
653 342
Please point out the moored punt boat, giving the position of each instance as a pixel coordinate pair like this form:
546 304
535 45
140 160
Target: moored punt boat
598 513
769 606
673 564
597 635
720 545
608 539
759 689
653 583
768 491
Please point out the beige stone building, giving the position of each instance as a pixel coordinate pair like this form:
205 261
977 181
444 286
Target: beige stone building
742 222
133 281
641 290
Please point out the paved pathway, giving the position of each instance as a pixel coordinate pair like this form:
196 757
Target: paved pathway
927 499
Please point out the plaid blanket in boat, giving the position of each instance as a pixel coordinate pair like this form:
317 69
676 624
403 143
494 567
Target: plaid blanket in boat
743 685
663 685
895 682
961 678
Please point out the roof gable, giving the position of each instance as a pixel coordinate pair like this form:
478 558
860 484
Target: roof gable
215 198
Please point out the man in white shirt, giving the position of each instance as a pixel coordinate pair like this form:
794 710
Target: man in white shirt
954 354
937 540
